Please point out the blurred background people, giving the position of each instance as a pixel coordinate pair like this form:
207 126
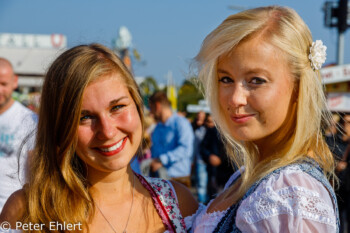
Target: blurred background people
145 158
16 123
172 141
339 143
212 150
199 166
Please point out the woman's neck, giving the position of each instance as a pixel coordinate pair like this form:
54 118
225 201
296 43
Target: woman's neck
279 142
111 186
274 147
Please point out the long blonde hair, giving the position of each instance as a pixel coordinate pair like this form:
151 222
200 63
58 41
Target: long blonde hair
283 28
57 189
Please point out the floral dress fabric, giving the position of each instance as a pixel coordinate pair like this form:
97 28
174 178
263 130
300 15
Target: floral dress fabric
165 202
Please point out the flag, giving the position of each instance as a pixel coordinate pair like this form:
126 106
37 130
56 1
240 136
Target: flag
172 96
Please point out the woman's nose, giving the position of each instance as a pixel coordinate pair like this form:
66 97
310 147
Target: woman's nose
238 96
107 128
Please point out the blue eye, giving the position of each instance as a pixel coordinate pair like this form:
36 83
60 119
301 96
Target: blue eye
117 107
85 118
225 79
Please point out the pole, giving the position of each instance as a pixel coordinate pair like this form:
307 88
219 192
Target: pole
342 26
340 57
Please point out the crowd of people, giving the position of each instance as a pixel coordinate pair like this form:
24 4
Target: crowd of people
267 158
338 139
189 151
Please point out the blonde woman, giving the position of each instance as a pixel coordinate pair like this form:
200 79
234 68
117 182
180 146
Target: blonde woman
260 70
90 127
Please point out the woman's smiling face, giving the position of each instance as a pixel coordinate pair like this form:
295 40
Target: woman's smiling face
255 90
110 128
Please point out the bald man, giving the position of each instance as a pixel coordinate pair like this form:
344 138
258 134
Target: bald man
16 123
8 83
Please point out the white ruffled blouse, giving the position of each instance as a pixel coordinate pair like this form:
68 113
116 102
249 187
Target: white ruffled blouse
290 201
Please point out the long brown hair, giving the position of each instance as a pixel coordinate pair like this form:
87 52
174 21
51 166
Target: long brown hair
57 189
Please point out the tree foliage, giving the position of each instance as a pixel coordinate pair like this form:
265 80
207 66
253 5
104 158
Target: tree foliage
147 88
189 93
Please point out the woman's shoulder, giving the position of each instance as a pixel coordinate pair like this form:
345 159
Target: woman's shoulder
171 199
187 203
294 182
294 194
297 175
173 192
14 208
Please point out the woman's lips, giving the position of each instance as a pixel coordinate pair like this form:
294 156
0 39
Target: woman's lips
242 118
112 149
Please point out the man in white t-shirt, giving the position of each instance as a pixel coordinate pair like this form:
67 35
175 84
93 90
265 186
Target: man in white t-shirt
16 123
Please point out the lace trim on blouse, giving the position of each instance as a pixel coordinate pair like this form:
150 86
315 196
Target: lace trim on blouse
189 219
292 200
204 222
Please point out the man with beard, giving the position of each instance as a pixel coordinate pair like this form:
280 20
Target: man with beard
16 123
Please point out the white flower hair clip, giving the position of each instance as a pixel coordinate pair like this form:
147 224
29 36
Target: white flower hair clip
317 54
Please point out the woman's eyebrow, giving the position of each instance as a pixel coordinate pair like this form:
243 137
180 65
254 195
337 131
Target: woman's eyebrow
111 103
85 112
222 71
115 101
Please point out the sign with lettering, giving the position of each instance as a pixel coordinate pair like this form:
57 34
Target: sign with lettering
53 41
335 74
339 102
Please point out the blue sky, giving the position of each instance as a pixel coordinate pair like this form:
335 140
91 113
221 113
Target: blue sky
167 34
